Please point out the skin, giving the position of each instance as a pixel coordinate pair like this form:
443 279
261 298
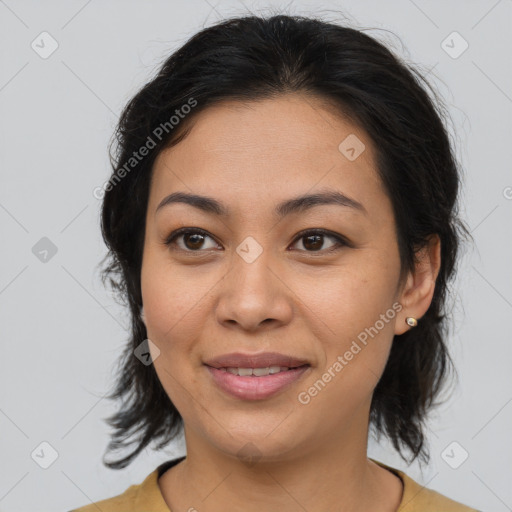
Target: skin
292 299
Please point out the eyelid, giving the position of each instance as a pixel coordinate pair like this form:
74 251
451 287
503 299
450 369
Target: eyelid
341 241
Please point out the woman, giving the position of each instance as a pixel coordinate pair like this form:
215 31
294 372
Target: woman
281 221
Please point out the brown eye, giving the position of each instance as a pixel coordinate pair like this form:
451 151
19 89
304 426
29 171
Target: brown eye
313 241
193 239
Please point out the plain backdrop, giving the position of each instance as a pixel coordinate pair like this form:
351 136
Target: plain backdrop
61 332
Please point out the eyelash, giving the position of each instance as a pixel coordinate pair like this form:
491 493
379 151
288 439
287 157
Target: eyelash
340 241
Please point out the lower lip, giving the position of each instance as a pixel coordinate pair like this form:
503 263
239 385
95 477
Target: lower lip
255 388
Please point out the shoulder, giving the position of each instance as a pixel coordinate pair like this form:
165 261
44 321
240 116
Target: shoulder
145 495
418 498
123 502
422 499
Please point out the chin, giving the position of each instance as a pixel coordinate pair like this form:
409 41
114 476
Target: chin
259 446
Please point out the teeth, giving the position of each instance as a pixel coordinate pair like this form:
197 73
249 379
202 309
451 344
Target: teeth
257 372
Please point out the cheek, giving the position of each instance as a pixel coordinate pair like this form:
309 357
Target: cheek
174 299
351 298
354 316
355 350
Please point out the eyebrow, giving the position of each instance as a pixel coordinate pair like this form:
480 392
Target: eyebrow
294 205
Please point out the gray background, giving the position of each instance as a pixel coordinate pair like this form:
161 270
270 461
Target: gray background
62 332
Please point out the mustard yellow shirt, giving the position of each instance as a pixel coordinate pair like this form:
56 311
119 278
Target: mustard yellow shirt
146 497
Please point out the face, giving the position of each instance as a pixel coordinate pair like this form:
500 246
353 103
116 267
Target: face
317 280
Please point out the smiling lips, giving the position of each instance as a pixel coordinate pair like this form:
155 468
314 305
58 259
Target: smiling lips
255 376
262 360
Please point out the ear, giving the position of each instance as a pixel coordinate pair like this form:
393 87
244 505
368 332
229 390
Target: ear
142 315
416 295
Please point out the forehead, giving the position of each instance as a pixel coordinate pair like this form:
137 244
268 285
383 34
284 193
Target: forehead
272 148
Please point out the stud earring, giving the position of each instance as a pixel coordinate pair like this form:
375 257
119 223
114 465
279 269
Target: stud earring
411 321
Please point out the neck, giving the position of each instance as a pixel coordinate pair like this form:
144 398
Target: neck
334 474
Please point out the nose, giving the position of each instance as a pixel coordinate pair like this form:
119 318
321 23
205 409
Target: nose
254 295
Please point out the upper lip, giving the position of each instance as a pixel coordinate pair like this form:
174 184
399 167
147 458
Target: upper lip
263 360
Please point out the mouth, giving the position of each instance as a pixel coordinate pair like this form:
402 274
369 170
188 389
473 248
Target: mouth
256 377
256 361
258 372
